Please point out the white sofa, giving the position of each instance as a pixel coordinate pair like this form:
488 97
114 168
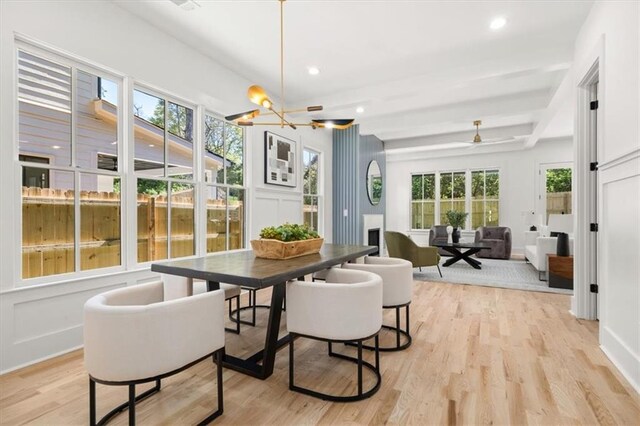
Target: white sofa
539 243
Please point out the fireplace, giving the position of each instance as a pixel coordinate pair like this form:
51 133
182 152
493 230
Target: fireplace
373 239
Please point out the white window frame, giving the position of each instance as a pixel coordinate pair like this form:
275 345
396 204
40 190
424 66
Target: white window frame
126 172
75 64
484 198
467 194
196 143
207 185
435 200
320 187
542 184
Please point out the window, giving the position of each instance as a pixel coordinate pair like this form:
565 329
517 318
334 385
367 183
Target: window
485 190
163 163
429 207
452 193
310 190
558 191
71 209
224 174
70 144
423 201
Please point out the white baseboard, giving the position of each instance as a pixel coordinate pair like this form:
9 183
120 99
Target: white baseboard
621 356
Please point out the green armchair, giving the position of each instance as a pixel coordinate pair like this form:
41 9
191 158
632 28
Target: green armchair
401 246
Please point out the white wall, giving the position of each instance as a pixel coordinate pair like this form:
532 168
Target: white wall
39 321
273 205
611 35
519 181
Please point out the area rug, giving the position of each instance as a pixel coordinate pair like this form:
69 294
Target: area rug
513 274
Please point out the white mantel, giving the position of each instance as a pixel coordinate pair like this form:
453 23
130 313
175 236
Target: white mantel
373 221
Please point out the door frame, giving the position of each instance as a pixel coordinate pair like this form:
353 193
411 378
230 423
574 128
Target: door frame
591 71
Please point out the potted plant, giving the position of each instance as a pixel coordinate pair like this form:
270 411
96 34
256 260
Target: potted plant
456 220
286 241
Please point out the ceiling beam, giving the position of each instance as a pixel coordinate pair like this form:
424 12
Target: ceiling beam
563 94
466 136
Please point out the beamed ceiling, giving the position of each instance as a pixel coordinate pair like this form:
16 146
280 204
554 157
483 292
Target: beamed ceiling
419 69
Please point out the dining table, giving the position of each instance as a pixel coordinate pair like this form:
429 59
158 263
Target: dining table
243 268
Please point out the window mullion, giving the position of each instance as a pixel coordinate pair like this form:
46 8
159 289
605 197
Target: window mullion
484 199
128 179
76 174
76 220
226 218
224 155
74 115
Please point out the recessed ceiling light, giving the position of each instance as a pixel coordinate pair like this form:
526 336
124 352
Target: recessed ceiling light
360 110
114 143
55 146
151 145
498 23
314 70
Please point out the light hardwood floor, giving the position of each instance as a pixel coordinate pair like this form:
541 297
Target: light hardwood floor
479 356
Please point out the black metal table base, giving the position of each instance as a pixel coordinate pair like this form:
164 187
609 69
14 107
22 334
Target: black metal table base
234 315
460 255
260 364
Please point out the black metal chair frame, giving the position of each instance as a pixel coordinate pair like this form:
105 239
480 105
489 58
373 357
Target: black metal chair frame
398 329
359 361
253 306
133 399
237 329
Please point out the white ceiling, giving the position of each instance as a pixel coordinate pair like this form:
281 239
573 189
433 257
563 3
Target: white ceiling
419 68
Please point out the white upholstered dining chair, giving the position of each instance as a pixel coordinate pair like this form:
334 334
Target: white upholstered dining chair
346 308
397 290
133 336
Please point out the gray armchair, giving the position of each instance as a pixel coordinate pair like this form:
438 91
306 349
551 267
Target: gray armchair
439 234
498 237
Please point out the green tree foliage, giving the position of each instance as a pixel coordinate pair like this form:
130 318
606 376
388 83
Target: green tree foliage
226 141
376 187
423 187
559 180
310 175
452 185
484 184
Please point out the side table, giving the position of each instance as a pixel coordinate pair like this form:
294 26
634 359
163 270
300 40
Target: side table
560 271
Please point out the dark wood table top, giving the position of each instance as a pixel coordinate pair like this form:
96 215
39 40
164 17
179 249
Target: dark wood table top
463 245
243 268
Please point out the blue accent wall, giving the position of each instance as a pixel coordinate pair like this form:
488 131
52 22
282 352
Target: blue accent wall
352 154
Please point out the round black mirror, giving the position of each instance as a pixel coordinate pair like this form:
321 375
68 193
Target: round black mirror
374 182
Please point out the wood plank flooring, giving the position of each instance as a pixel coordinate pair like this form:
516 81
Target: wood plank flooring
479 356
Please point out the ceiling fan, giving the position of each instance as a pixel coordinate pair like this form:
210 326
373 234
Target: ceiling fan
477 139
259 96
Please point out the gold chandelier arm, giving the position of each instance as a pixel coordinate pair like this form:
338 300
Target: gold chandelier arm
283 120
293 111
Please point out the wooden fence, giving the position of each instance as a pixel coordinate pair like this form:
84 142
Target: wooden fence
558 203
48 229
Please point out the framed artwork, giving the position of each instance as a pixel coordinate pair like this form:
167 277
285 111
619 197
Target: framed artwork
280 161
